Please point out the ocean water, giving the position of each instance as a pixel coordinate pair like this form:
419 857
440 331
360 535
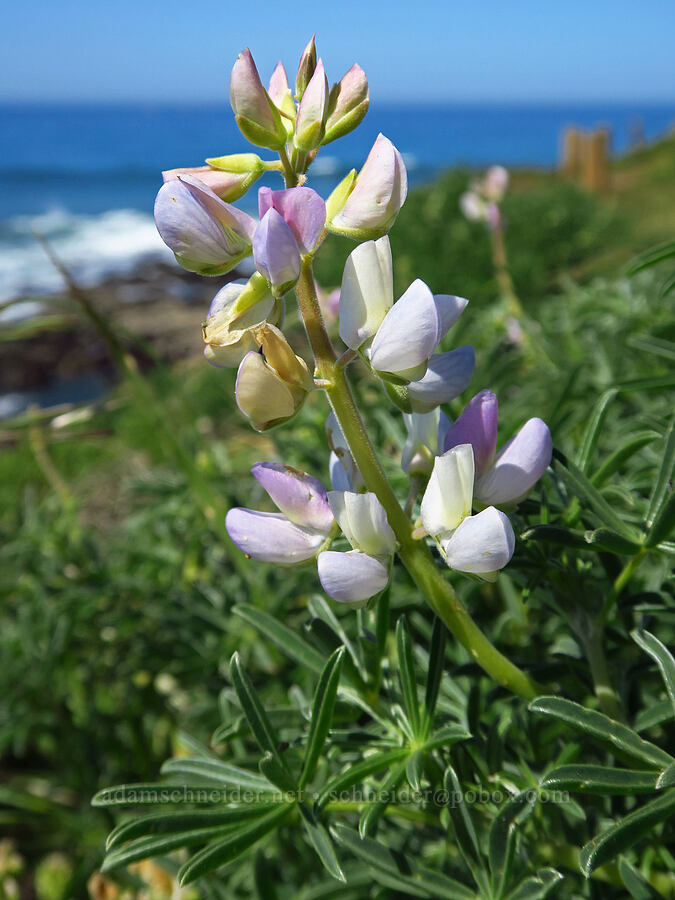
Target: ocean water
86 176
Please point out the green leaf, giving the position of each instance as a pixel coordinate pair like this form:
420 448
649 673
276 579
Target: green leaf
157 845
618 736
253 710
621 455
502 839
398 872
664 523
286 640
462 825
413 769
322 714
155 794
600 780
385 795
656 714
661 485
223 851
626 832
580 485
555 534
537 886
355 774
651 257
635 883
653 345
605 539
320 608
216 771
667 778
593 429
446 737
320 840
406 671
167 822
435 671
661 656
278 775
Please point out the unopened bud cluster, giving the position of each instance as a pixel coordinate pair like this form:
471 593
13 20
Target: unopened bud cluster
465 482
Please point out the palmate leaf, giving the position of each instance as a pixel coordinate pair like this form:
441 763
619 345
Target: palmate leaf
385 795
216 771
321 610
661 656
618 736
398 872
167 822
600 780
626 832
357 773
663 524
158 845
322 715
220 852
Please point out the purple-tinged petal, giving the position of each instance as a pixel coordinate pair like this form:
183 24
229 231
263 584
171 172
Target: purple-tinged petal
270 537
481 544
353 577
447 375
377 196
449 309
340 449
228 334
301 498
518 466
207 235
473 206
339 476
280 93
408 334
275 252
477 426
448 494
303 210
363 522
226 185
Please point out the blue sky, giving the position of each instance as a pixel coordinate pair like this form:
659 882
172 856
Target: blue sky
420 49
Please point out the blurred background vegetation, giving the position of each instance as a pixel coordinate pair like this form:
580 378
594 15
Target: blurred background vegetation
116 575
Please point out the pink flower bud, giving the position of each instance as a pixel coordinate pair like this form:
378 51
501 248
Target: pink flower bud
257 117
347 104
305 68
377 196
312 111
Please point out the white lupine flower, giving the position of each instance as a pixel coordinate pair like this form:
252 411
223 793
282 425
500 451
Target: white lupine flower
367 292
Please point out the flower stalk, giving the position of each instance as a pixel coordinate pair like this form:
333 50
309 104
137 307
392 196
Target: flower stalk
414 555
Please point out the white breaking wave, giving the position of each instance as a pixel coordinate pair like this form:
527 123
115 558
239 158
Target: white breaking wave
92 247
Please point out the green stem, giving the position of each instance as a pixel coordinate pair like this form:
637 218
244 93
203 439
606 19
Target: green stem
608 698
415 555
621 581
